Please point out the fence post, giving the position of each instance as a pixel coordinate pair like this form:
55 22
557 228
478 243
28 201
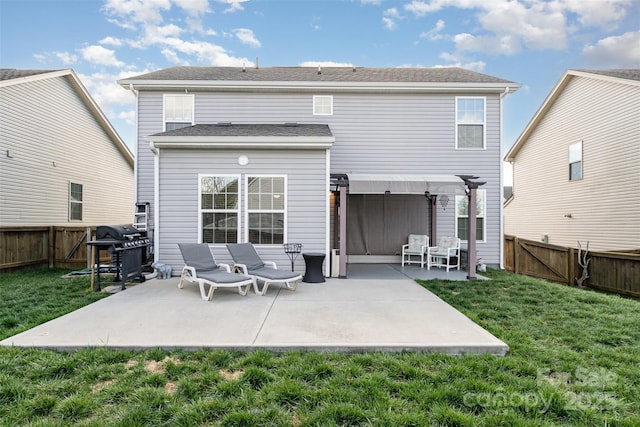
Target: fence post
89 238
516 255
571 265
51 255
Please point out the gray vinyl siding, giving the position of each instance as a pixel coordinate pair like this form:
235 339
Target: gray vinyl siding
604 204
52 139
385 133
307 198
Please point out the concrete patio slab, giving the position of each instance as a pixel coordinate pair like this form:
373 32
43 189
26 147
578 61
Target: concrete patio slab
339 315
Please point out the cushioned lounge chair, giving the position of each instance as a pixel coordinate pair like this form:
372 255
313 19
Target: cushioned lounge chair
446 254
247 260
416 247
201 268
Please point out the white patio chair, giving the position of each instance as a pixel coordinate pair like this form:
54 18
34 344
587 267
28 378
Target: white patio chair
247 260
441 256
201 268
416 247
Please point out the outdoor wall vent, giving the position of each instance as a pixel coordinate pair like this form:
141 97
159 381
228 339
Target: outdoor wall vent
291 124
224 123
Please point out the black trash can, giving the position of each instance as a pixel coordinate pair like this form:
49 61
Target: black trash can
313 267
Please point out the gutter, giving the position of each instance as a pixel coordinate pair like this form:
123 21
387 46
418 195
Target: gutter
501 175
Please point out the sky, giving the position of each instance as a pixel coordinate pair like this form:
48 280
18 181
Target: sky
531 42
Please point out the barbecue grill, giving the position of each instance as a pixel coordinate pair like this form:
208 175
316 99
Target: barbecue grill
128 249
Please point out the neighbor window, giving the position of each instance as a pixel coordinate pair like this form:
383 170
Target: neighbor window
462 216
266 209
178 111
470 122
219 209
75 202
575 161
322 105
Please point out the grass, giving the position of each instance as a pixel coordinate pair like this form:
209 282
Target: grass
573 360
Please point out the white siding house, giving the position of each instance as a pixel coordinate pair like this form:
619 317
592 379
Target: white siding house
61 161
394 138
576 166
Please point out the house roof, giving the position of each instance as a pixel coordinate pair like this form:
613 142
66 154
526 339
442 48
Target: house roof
249 130
12 73
227 135
623 76
10 77
311 77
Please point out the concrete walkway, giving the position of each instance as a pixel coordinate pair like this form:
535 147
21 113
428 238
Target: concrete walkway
355 314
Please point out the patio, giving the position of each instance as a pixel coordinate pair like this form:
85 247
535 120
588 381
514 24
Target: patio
379 307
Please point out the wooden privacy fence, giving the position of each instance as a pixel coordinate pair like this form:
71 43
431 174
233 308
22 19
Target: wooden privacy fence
617 272
51 247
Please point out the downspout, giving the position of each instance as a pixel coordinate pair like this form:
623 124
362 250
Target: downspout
156 201
135 163
502 95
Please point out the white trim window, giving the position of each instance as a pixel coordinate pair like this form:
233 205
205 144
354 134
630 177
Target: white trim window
266 209
177 111
75 201
219 209
470 122
462 216
322 105
575 161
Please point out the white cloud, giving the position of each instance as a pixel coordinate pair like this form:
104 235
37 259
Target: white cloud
99 55
434 33
128 116
205 52
64 58
171 56
194 7
234 5
136 11
601 13
616 51
505 45
457 60
108 94
509 25
112 41
246 36
389 18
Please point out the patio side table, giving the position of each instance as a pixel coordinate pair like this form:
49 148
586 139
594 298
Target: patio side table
313 267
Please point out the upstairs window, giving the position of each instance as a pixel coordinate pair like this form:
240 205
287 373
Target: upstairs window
575 161
266 209
323 105
470 122
462 216
178 111
219 209
75 202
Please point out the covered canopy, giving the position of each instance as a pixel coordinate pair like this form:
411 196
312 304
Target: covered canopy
366 183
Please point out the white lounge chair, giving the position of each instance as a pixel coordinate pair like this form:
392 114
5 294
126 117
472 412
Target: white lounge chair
247 260
417 247
441 256
201 268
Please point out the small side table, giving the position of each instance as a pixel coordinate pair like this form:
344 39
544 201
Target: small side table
313 271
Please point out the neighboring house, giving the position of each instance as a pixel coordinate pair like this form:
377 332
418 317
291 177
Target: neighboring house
576 166
61 161
351 158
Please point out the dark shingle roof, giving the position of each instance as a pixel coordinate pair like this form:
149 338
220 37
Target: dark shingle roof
251 130
12 73
629 74
310 74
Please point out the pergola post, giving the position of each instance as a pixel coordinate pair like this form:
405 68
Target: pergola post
343 231
472 189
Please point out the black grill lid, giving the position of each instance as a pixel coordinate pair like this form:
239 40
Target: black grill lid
116 232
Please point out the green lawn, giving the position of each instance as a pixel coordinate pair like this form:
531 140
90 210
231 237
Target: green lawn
574 360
